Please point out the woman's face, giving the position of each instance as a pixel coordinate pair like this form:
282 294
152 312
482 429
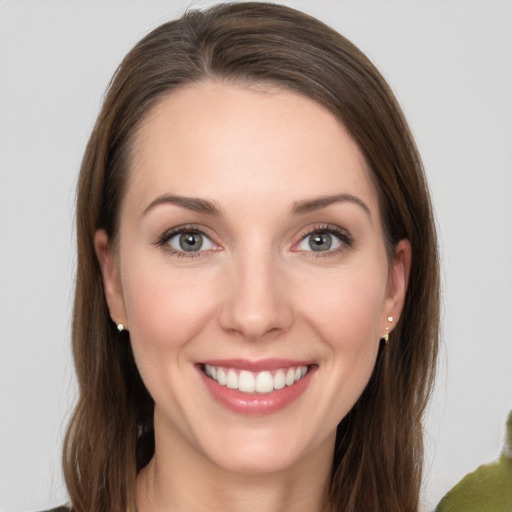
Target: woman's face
251 248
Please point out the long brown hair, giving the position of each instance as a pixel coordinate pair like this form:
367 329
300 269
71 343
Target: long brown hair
378 457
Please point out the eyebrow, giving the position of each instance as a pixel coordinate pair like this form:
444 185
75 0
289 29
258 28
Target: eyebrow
317 203
190 203
300 207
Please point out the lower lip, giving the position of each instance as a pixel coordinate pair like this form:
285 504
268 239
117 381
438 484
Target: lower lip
254 404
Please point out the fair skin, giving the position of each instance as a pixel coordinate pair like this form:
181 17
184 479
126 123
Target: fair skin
275 260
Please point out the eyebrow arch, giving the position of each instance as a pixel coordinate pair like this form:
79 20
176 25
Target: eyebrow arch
190 203
310 205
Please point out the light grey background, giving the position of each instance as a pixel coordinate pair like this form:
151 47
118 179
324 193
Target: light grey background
450 64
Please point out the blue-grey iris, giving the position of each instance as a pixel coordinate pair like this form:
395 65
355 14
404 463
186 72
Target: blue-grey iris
191 241
320 241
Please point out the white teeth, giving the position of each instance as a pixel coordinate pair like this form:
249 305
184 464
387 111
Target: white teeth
279 382
232 380
221 376
264 382
246 382
259 382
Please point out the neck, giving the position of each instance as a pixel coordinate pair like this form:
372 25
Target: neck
182 480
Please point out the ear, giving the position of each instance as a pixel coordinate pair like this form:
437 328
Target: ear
111 278
397 284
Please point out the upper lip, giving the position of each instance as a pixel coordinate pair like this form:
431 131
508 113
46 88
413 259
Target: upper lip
258 365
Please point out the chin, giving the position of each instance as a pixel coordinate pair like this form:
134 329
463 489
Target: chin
264 451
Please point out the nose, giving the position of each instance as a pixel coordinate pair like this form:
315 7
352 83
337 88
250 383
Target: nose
256 303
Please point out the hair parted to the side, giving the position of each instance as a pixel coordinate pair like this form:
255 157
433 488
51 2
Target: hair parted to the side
378 458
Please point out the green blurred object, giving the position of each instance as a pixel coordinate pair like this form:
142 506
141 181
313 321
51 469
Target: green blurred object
488 489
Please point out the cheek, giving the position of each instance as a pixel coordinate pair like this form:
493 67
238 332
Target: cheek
166 308
348 322
347 306
165 311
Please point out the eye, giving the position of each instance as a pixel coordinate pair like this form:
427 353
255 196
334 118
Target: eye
324 240
186 240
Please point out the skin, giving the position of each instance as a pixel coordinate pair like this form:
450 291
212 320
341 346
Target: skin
257 291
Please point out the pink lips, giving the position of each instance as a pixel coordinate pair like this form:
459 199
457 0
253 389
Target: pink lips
256 403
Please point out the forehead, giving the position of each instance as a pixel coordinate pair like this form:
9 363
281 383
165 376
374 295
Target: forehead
223 141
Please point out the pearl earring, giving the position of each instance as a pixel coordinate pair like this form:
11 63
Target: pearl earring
386 336
120 327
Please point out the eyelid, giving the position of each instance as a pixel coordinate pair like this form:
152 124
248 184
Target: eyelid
345 238
164 238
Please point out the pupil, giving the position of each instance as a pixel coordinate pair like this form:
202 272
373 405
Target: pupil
191 241
320 242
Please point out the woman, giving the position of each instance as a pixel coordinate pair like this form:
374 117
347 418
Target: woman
256 309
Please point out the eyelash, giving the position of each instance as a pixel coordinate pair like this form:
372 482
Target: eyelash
164 239
345 239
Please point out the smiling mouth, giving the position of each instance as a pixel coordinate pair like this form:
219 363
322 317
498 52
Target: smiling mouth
263 382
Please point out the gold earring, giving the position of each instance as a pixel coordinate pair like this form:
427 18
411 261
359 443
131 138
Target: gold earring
386 336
